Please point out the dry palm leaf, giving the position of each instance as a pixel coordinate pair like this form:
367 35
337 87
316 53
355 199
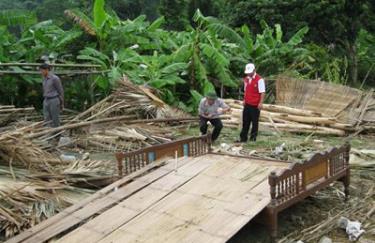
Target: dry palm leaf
129 98
81 21
26 203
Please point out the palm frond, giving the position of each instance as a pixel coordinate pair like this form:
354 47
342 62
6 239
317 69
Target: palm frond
228 33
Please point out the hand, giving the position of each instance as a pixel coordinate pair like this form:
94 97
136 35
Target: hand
62 107
260 106
226 110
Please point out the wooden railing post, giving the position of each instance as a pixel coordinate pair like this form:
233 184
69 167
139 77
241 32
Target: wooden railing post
120 158
272 182
209 142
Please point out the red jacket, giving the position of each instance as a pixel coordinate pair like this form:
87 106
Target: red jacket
252 95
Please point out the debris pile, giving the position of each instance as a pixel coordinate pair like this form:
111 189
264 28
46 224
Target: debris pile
41 174
283 118
27 200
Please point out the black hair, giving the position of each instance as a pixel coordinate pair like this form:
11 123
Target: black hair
45 66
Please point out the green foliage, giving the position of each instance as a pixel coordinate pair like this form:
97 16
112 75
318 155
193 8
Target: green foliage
332 23
326 66
99 13
175 13
185 64
14 17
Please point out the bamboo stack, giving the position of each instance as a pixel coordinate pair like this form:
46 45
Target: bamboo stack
9 113
288 119
123 138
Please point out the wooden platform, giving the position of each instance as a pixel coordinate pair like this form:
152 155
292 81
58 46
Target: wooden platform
209 198
203 197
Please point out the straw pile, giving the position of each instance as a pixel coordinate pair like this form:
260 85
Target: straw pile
283 118
127 99
36 184
27 201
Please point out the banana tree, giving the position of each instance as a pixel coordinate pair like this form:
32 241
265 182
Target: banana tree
99 25
207 56
45 38
156 70
268 50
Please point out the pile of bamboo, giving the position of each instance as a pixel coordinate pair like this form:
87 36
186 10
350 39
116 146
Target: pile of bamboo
124 138
9 113
283 118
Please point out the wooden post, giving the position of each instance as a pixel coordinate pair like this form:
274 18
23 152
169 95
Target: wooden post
269 215
272 182
209 142
273 225
120 157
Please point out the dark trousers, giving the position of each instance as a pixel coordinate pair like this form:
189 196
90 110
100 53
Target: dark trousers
216 122
250 116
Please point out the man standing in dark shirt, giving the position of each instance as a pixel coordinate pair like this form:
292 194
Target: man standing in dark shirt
53 94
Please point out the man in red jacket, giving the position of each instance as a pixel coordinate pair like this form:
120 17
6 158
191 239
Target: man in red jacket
254 91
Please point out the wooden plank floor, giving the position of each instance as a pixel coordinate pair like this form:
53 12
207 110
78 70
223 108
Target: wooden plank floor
208 199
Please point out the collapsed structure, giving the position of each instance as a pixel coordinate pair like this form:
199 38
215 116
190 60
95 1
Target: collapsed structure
37 183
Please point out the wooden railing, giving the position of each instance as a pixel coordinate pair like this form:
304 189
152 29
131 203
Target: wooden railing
129 162
299 178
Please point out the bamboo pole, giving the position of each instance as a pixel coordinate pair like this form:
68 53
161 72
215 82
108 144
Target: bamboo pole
86 112
16 109
289 110
111 119
303 128
52 64
80 124
72 72
6 106
275 108
309 120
